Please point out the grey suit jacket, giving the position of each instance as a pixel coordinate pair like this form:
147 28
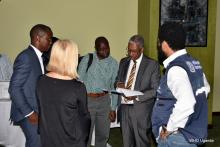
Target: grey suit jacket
22 88
147 81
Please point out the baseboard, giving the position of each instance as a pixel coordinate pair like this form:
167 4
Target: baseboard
216 113
210 126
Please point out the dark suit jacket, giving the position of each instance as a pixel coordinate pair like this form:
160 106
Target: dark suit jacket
147 81
26 71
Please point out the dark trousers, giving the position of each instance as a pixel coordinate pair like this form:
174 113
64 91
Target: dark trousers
31 133
99 110
135 129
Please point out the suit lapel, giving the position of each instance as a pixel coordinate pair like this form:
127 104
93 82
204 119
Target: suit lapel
126 66
140 73
36 62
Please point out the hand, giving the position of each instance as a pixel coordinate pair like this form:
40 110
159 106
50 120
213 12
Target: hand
164 133
33 118
130 98
120 85
112 116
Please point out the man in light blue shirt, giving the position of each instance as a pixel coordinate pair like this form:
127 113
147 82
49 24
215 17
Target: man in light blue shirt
100 75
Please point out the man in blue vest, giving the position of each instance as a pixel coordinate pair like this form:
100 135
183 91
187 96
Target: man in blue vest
180 114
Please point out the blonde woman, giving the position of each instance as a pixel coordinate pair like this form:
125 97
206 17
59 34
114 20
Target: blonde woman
64 116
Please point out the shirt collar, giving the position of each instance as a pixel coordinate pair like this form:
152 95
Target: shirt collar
139 59
174 56
96 56
37 51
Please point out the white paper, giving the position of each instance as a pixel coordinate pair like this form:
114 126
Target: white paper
112 91
128 92
125 92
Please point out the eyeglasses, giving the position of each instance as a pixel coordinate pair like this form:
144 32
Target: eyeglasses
133 51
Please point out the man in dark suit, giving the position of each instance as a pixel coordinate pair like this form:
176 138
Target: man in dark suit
137 72
28 66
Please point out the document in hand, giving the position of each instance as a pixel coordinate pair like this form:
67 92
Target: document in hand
112 91
128 92
124 92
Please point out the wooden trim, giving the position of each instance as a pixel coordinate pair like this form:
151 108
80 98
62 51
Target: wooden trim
216 113
210 126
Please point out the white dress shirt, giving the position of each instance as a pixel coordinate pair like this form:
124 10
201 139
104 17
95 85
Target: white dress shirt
138 62
180 86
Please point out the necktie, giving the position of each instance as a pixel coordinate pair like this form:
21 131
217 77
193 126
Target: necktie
131 76
45 59
42 63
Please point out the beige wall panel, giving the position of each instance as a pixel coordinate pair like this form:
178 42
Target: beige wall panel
78 20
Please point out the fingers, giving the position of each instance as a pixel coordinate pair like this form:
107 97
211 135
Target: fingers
112 116
131 98
33 118
164 133
121 85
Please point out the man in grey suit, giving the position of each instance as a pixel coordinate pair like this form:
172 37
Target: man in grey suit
137 72
28 66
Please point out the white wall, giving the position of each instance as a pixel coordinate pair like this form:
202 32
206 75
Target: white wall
216 89
79 20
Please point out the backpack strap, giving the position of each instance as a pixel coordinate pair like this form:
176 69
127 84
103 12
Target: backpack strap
90 61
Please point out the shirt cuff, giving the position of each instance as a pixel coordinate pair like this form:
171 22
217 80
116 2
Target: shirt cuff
113 108
29 114
171 129
137 99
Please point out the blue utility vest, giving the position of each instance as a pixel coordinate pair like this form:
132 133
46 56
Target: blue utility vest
195 130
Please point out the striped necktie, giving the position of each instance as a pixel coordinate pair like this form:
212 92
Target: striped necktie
131 76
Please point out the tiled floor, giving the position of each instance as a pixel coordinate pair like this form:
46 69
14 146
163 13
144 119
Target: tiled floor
212 141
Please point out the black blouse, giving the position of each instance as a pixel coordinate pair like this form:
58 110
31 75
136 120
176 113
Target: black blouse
64 117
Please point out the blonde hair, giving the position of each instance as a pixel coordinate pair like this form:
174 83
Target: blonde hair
64 58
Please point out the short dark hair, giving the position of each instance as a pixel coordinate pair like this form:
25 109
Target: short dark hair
137 39
99 40
54 39
174 34
39 29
